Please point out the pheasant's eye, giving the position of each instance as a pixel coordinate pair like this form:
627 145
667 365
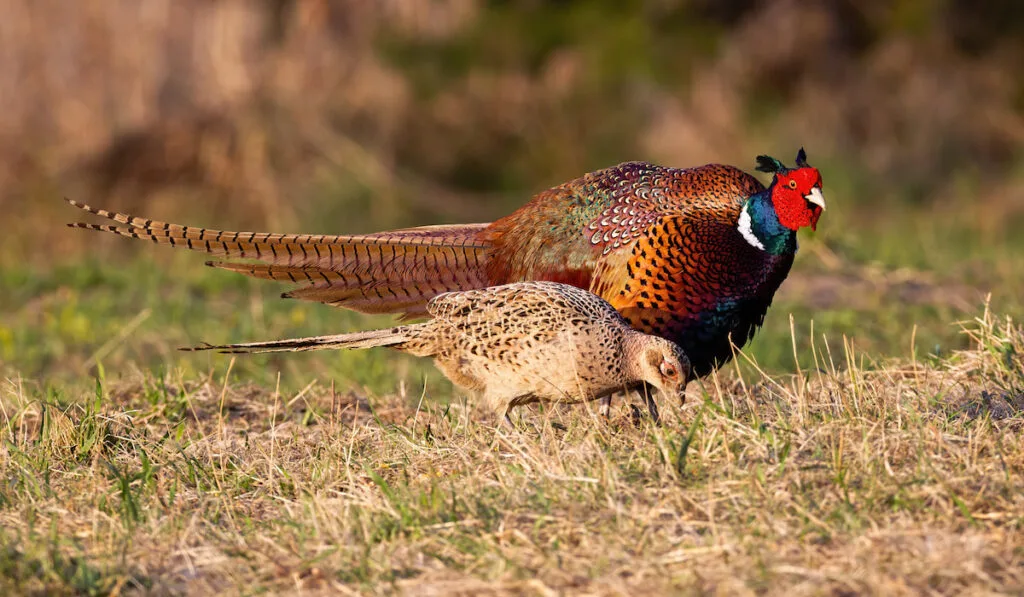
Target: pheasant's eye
792 183
668 370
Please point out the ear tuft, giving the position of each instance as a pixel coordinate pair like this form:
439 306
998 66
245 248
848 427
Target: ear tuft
801 159
769 164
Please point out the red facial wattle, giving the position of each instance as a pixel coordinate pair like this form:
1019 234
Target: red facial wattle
815 214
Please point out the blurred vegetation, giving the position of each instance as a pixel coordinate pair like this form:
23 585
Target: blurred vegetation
351 116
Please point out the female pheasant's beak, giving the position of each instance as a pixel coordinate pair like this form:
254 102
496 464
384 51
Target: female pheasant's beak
681 393
818 200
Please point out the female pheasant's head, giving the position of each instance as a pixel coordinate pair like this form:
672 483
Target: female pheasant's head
659 362
795 192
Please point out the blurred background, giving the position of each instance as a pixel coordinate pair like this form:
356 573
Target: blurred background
352 116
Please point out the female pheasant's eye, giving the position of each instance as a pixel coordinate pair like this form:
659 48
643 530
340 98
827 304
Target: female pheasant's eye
792 183
668 371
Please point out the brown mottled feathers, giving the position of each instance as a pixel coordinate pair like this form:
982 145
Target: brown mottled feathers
519 343
573 225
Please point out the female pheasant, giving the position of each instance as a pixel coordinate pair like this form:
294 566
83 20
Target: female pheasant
521 343
692 255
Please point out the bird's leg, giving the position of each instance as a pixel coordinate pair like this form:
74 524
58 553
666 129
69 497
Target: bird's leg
606 406
507 406
503 417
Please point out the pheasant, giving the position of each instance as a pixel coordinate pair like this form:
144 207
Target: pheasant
521 343
692 255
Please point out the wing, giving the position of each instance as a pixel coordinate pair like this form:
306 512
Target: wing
490 317
538 310
563 233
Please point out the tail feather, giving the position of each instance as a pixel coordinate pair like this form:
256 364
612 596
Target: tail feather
394 337
388 272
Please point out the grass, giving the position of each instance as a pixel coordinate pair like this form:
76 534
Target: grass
863 444
59 326
899 480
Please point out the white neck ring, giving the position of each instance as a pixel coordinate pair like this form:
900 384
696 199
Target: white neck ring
746 230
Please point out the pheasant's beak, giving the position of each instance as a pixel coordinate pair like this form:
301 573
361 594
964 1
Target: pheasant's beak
680 390
816 197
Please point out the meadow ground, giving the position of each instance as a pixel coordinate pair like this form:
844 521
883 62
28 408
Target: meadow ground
875 447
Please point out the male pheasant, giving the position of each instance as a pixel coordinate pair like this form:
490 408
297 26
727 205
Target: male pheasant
692 255
521 343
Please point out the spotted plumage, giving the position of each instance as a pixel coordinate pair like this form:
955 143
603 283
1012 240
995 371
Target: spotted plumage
521 343
693 255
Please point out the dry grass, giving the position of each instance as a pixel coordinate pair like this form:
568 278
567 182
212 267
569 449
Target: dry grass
898 479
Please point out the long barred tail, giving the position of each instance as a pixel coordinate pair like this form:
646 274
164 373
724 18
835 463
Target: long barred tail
394 337
388 272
